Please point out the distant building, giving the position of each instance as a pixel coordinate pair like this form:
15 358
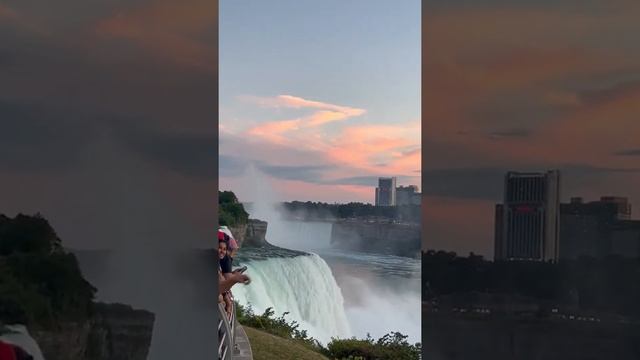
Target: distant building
527 223
407 195
386 192
598 228
498 232
416 199
625 238
622 204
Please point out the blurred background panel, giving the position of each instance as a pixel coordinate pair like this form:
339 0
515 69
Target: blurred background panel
531 236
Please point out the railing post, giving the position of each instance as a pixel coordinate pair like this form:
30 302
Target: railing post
225 334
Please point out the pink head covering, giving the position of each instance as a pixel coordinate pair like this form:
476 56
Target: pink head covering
232 244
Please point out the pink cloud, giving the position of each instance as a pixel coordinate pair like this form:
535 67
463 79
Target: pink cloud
273 131
166 29
351 150
474 56
366 147
290 101
296 190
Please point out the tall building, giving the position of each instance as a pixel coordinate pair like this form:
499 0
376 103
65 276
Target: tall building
625 238
386 192
527 223
622 204
407 195
598 228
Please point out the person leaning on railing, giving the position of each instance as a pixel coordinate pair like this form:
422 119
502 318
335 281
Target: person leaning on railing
226 264
226 282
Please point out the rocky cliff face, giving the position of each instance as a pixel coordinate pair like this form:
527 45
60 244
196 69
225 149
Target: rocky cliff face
67 342
239 233
256 233
251 234
115 332
386 238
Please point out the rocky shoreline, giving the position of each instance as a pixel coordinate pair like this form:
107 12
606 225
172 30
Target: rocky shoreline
252 238
399 239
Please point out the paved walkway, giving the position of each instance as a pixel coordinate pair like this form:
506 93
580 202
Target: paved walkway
242 349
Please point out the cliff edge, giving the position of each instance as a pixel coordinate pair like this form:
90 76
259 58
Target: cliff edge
113 332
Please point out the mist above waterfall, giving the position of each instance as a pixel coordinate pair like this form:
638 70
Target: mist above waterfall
394 301
260 195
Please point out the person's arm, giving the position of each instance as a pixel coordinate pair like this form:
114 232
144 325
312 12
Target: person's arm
228 280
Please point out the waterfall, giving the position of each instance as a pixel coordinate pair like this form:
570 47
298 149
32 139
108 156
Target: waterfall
303 286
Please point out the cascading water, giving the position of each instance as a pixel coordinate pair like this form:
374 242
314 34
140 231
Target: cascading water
301 285
330 293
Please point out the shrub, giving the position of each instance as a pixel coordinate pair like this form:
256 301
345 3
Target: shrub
393 346
278 326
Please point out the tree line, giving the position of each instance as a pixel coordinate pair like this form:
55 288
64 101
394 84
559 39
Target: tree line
354 210
609 284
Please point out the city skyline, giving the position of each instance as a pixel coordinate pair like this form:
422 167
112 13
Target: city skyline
321 98
525 86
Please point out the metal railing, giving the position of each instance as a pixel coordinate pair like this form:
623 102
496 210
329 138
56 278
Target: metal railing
226 332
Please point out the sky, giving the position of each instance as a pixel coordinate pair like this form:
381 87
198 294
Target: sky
108 129
319 98
529 86
106 119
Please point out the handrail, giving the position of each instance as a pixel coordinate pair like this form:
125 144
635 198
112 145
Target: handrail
232 323
226 336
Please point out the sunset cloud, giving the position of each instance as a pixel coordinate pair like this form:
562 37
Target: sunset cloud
527 86
289 101
305 115
274 130
378 148
166 29
346 152
295 190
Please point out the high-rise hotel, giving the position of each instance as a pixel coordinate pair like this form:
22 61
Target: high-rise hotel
527 223
386 192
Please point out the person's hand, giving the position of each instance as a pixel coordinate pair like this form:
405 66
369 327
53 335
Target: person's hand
239 277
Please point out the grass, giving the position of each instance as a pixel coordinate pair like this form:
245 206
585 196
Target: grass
270 347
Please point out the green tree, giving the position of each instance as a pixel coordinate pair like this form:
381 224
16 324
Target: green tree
230 211
40 283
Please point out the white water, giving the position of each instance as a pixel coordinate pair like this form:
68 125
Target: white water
303 286
336 294
382 292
